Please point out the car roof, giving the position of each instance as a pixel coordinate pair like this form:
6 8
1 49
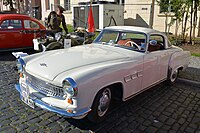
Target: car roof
134 28
19 16
6 16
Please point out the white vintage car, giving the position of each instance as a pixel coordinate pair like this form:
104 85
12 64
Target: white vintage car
82 81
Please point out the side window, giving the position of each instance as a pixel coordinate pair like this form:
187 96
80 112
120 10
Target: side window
28 24
130 35
156 42
11 24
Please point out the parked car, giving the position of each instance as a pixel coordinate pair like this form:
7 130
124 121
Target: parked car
82 81
17 31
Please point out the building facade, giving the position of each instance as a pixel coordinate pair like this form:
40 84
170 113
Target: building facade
29 7
136 13
50 5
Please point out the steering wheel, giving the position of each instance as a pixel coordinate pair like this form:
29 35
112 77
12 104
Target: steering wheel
133 44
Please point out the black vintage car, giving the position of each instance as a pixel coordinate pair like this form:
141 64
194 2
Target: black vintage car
54 40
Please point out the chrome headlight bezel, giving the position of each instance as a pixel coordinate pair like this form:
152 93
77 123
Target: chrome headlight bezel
70 88
20 65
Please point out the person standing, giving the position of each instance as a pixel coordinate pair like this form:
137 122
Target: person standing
56 20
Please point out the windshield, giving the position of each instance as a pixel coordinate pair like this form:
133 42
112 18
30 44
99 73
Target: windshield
123 39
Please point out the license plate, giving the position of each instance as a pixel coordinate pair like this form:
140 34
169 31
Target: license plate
67 43
25 95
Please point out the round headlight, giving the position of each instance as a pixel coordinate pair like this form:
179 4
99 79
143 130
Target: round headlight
69 87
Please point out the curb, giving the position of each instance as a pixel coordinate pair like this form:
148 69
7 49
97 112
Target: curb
189 82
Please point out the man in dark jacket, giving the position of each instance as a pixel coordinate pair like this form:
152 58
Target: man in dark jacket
56 20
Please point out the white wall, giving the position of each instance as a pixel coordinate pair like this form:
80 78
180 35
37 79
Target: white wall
136 12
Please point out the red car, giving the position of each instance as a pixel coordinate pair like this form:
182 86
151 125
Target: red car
18 31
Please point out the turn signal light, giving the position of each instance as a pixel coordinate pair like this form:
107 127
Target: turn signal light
21 75
69 100
69 111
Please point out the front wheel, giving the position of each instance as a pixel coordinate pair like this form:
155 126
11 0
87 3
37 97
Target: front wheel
100 105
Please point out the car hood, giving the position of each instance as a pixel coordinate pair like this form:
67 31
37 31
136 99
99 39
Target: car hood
50 64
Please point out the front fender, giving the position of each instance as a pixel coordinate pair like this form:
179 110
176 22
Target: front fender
91 79
54 45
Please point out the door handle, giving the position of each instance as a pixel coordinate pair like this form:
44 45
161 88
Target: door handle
22 31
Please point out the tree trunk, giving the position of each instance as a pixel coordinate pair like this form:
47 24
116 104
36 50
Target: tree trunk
185 25
166 22
169 26
176 29
182 22
195 20
199 27
18 4
11 5
191 22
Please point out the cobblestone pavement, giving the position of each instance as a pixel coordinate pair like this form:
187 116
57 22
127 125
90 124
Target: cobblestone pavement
160 109
193 70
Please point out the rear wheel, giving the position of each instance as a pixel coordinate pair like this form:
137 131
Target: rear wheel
173 76
100 105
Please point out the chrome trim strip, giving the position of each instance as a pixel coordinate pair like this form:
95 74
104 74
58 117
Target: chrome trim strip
127 78
133 76
72 82
43 93
44 87
139 74
156 83
45 106
48 107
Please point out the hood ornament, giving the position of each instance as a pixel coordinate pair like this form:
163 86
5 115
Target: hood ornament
43 64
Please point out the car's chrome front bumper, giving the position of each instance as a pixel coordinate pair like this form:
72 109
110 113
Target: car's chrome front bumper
79 114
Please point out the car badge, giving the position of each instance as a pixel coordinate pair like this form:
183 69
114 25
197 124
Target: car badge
43 64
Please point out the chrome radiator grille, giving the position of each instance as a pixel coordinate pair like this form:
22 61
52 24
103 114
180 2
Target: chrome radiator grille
44 87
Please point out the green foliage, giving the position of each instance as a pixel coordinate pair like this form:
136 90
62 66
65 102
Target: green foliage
196 54
70 28
181 12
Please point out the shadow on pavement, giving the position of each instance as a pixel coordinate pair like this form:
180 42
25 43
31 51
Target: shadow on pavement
85 124
191 73
7 56
121 112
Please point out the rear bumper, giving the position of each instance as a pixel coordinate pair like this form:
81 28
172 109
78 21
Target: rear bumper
37 102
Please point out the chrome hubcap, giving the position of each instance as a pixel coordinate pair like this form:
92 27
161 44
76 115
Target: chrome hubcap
104 102
174 75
